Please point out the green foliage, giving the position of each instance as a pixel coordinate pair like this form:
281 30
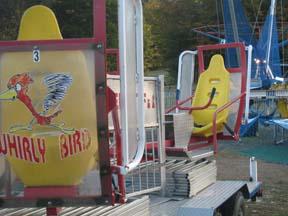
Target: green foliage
168 24
152 53
112 24
10 14
171 26
75 17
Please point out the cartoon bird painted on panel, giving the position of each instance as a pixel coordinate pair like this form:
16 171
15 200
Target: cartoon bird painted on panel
57 86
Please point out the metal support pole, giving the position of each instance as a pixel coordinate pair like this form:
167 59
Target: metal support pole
253 170
272 16
161 132
249 66
53 211
234 27
99 30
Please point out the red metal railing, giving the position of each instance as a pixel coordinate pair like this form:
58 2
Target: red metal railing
241 69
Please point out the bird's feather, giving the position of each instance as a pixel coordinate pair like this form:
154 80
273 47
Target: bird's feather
57 86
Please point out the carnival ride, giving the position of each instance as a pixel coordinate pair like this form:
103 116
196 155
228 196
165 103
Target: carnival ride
266 97
109 146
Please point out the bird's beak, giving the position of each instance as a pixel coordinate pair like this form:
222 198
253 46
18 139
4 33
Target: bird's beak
9 94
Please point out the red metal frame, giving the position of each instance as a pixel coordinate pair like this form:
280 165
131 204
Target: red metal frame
49 192
113 108
98 43
99 29
53 211
242 68
236 132
80 43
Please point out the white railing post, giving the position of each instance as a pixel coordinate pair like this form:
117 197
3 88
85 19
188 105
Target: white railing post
248 82
253 170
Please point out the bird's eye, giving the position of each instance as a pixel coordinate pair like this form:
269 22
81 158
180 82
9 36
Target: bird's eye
18 87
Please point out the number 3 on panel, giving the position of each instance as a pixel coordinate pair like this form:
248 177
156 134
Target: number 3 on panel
36 55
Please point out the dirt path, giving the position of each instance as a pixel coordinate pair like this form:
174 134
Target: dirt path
274 177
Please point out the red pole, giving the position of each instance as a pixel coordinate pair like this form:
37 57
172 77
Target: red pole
53 211
99 30
121 178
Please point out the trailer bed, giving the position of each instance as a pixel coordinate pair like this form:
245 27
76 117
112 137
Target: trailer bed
202 204
206 202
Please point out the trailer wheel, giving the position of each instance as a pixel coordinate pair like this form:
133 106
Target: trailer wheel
235 206
217 213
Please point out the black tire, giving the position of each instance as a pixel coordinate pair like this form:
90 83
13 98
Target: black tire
235 206
217 213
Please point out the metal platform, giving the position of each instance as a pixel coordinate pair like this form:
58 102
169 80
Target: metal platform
202 204
134 207
205 202
268 94
183 177
200 153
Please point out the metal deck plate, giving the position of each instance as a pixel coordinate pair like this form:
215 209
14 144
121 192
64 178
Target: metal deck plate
162 206
198 154
253 188
206 202
134 207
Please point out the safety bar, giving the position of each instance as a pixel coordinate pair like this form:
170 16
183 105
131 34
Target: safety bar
180 65
128 165
190 109
177 104
249 66
214 126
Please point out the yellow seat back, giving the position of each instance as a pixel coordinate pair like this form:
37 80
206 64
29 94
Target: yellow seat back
216 76
39 23
68 157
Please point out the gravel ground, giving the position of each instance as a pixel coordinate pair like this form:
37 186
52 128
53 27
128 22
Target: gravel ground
231 165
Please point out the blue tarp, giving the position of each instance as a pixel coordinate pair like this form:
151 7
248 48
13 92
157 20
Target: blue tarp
244 30
262 48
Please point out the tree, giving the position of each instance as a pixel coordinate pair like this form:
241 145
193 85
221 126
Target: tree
168 24
172 23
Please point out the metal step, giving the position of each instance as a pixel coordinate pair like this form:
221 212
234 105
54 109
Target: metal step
193 155
199 154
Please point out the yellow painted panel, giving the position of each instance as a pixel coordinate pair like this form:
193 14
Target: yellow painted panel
49 141
282 108
78 112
